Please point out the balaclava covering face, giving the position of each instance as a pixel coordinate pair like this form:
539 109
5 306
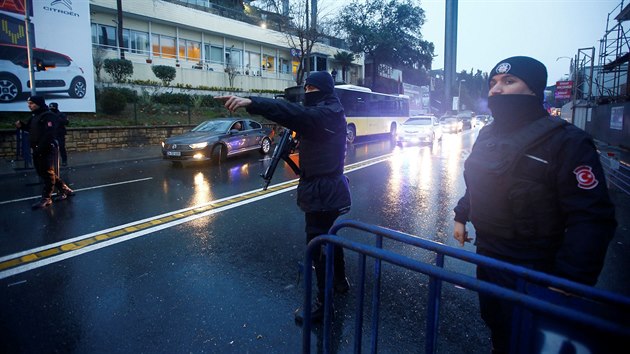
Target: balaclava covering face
324 82
513 111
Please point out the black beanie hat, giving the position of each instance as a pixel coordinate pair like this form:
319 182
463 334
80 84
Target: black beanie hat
38 100
322 80
53 105
530 70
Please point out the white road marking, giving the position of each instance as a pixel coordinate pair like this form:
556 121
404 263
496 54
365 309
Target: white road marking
73 253
78 190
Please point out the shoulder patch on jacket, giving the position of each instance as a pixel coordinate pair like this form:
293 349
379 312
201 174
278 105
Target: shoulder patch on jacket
585 177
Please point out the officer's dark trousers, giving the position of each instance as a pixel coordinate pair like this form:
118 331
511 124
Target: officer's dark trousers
62 149
44 163
318 223
497 313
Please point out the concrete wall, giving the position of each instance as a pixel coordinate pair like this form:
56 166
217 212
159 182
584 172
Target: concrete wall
93 139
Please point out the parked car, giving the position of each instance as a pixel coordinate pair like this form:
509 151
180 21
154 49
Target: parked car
54 72
466 118
481 120
216 139
419 129
451 124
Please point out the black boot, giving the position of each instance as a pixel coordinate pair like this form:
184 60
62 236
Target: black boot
64 193
317 313
42 203
342 285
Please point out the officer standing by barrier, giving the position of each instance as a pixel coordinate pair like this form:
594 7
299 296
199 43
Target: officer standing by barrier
42 129
536 192
62 122
323 191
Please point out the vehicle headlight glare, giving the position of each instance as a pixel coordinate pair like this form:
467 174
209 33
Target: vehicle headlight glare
198 146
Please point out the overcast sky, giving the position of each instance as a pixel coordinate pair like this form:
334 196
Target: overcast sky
491 30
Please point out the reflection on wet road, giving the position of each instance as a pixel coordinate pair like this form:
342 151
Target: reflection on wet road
209 262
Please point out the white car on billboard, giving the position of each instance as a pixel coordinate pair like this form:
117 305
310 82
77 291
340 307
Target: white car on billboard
54 72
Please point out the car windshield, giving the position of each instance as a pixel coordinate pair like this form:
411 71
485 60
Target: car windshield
418 121
217 126
449 120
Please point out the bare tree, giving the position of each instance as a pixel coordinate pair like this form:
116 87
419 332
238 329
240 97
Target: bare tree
301 33
98 60
230 69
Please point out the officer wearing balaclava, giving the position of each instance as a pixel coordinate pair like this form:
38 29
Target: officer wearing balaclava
323 192
535 192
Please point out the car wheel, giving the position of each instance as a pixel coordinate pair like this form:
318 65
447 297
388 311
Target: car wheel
218 154
392 131
351 134
265 146
10 88
77 88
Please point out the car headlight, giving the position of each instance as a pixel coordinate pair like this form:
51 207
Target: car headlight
198 146
162 144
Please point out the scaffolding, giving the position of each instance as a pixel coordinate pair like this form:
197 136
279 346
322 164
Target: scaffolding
614 56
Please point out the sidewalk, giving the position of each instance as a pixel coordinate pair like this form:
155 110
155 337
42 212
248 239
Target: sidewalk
88 158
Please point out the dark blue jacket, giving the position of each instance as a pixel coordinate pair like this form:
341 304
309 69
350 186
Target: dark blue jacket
322 132
42 128
550 209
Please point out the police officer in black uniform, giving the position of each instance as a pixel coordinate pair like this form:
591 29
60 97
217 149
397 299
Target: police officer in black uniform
42 130
536 192
323 191
62 122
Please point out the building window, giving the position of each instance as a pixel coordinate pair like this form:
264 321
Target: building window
164 46
285 66
252 63
104 36
139 42
268 63
189 50
215 56
155 45
234 57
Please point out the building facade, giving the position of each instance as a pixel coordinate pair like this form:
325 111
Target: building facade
202 43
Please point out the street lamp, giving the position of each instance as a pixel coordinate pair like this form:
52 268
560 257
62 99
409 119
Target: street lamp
459 96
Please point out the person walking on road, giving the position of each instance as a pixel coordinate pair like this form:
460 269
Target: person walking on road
62 122
323 192
41 127
536 193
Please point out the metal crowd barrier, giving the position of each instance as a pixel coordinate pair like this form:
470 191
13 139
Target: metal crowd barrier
594 318
617 172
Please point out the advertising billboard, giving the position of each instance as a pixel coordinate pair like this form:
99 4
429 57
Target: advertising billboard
61 54
564 90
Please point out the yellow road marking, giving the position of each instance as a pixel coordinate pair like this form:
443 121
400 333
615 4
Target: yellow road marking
24 259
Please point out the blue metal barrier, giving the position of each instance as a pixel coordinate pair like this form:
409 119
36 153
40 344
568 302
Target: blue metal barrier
535 312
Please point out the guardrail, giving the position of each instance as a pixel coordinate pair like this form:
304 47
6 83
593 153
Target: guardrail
598 321
617 172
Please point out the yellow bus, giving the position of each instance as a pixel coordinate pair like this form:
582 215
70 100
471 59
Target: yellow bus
372 113
367 112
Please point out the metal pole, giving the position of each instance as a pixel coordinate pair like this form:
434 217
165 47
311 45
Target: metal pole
29 47
450 52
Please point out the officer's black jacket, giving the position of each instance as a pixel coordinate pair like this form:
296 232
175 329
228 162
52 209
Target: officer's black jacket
322 131
551 210
42 130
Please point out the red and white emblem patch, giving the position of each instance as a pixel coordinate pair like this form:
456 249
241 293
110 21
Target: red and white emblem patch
49 124
585 177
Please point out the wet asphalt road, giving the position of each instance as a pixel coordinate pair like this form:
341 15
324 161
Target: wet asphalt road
148 258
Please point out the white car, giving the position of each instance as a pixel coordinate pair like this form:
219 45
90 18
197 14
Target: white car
54 72
418 130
